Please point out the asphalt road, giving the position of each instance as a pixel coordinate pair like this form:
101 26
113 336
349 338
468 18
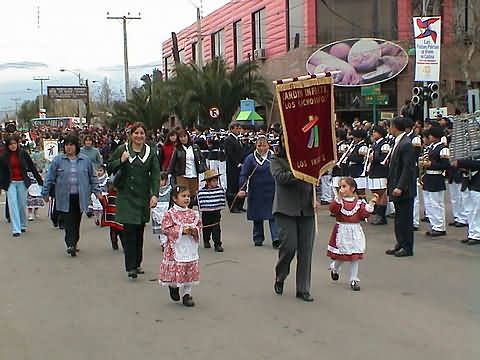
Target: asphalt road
57 307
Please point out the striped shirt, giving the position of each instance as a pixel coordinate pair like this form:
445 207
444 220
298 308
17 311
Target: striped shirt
73 177
211 199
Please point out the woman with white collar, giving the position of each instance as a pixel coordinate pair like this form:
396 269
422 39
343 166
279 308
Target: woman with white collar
137 171
257 181
187 163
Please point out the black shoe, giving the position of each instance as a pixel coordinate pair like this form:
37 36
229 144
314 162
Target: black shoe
392 251
207 245
453 223
258 244
435 233
278 287
465 241
424 219
188 300
132 274
378 221
473 242
140 271
218 248
72 251
243 210
16 234
354 285
323 202
304 296
24 230
115 245
460 225
61 227
334 275
403 253
415 228
235 211
174 293
276 244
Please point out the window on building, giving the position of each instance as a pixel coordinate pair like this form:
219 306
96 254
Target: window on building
218 44
296 23
237 42
181 55
463 18
343 19
194 52
258 29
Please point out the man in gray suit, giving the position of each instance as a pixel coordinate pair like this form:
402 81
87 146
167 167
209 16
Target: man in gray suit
293 210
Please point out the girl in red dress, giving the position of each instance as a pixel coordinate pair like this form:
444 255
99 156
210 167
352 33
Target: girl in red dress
347 241
179 267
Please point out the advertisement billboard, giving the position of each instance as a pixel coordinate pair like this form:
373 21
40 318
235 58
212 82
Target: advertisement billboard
427 33
362 61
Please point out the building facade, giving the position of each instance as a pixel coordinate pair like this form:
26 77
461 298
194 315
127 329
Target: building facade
282 34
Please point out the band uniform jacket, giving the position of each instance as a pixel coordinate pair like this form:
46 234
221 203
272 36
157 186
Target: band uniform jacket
473 181
380 152
433 179
356 161
401 172
337 171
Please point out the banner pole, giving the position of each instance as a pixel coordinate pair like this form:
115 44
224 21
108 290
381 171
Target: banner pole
315 216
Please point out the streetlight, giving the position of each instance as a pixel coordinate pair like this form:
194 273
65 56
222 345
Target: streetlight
87 105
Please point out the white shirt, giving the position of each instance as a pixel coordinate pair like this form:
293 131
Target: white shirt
397 141
190 169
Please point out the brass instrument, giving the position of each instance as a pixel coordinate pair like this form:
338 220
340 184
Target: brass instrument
422 161
387 158
368 162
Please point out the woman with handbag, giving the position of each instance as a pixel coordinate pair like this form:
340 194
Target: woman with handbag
137 178
187 163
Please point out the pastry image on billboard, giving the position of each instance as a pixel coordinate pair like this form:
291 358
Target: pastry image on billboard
362 61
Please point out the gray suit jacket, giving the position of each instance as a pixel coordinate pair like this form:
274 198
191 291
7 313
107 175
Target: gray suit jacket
293 197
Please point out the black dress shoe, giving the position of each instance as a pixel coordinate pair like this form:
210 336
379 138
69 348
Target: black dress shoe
415 228
258 244
323 202
435 233
460 225
72 251
16 234
24 230
174 293
276 244
278 287
304 296
218 248
243 210
465 241
132 274
334 275
354 286
473 242
207 245
403 253
188 300
392 251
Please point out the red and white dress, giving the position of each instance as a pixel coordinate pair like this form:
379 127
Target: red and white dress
179 266
347 240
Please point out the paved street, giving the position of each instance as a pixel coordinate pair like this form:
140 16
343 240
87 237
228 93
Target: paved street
57 307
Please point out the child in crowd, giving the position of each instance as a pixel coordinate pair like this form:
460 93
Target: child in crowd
163 204
34 198
96 206
179 267
347 240
211 199
108 215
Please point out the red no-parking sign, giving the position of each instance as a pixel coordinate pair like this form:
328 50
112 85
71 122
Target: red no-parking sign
214 112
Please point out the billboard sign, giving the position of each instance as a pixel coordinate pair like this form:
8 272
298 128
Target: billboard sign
427 35
68 92
362 61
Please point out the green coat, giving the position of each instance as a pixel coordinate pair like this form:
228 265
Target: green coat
140 181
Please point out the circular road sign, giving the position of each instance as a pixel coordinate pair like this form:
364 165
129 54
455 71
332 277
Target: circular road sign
214 112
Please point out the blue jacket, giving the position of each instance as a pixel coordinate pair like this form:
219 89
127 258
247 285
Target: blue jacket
57 174
260 187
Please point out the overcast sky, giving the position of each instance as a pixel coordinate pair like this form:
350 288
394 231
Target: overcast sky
76 35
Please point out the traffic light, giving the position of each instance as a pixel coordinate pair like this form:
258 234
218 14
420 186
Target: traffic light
417 97
433 91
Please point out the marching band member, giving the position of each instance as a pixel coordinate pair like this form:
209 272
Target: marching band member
455 179
378 173
434 182
472 206
339 170
357 159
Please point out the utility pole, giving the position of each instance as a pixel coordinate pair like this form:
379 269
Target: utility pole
425 4
16 100
125 51
41 79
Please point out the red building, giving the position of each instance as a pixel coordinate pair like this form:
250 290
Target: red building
284 33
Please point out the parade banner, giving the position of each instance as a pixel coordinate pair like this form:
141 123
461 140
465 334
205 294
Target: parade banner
50 149
307 115
427 35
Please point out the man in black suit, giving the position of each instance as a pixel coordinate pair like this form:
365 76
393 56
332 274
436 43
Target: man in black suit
234 157
401 188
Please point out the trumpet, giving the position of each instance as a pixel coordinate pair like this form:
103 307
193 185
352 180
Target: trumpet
346 154
422 161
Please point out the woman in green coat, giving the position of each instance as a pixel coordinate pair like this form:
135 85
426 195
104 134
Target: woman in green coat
136 167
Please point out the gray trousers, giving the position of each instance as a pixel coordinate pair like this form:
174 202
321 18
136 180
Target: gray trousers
296 235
